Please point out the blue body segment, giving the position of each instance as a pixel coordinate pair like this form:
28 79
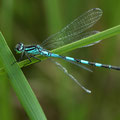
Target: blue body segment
110 66
69 58
98 64
54 55
84 62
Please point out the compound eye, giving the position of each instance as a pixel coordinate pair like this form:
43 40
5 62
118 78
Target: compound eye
19 47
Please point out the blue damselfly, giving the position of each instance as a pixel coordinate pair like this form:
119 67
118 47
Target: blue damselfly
71 33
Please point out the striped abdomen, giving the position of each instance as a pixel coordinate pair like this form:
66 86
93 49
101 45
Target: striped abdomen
85 62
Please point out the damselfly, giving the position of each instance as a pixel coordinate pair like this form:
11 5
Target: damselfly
71 33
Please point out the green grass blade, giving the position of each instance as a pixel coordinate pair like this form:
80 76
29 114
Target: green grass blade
86 41
5 104
20 84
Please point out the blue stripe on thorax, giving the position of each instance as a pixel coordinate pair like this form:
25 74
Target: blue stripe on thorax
29 49
34 51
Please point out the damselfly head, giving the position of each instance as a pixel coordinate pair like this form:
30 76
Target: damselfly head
19 47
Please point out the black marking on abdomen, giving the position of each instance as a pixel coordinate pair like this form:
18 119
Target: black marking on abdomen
77 60
63 57
91 63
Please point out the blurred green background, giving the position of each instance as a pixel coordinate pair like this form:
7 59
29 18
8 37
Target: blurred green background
31 22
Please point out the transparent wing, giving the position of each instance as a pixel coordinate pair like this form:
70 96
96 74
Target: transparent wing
77 37
74 31
71 76
84 35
